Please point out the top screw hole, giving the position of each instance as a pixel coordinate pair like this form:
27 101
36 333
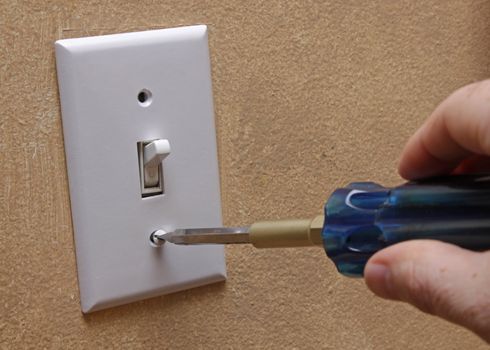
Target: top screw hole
144 97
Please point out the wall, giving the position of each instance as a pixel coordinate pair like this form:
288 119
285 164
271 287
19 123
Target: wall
309 95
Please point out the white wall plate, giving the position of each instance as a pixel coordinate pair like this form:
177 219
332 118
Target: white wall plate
100 79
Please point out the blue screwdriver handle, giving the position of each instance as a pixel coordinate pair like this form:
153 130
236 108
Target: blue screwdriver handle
365 217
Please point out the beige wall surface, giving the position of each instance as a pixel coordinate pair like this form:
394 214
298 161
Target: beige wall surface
309 95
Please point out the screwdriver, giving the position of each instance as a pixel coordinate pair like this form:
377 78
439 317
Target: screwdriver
365 217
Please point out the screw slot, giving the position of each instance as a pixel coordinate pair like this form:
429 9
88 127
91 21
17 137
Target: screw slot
144 97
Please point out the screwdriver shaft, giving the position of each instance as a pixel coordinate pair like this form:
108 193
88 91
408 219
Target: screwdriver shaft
216 235
262 234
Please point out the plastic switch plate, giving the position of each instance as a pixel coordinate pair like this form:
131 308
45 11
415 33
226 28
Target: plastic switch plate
116 91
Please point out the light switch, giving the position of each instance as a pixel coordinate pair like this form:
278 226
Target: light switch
150 157
155 152
151 90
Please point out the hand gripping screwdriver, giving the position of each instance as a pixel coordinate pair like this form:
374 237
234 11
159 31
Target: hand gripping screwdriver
364 217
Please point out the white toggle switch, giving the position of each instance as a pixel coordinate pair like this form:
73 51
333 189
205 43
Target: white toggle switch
151 171
150 156
155 152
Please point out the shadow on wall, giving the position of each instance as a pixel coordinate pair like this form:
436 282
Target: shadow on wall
174 303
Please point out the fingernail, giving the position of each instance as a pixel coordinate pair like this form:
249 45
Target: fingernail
377 278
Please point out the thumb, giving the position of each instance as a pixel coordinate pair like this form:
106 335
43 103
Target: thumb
438 278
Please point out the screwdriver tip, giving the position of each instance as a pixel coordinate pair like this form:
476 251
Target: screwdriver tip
159 237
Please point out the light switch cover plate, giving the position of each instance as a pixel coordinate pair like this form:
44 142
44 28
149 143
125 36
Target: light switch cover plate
103 120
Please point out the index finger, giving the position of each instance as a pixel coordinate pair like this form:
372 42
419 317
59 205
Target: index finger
459 127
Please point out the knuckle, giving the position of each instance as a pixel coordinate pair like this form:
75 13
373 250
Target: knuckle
471 102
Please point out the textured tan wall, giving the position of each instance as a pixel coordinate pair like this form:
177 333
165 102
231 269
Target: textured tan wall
309 95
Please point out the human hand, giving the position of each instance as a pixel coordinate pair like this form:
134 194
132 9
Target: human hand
439 278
